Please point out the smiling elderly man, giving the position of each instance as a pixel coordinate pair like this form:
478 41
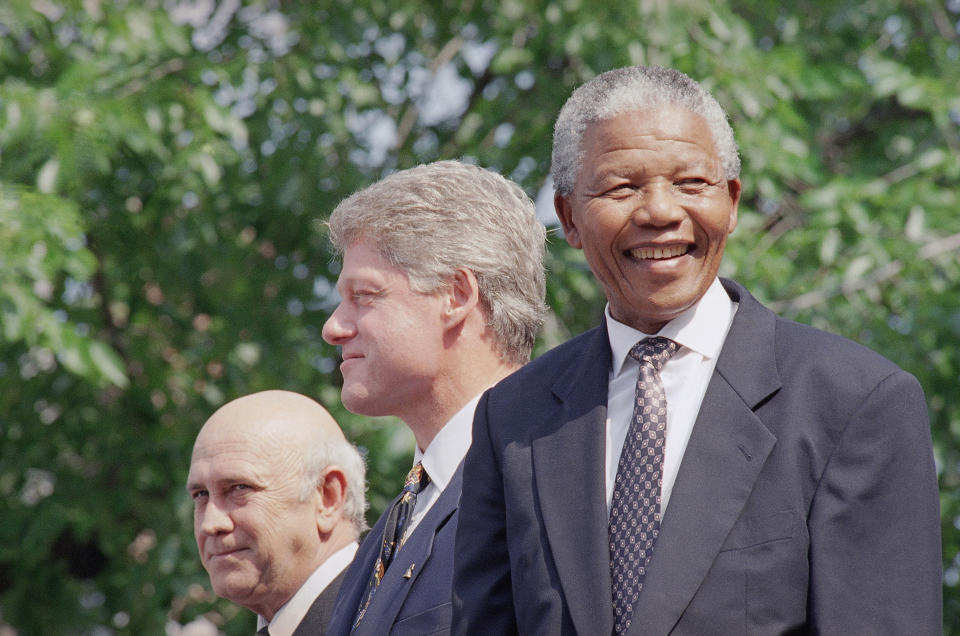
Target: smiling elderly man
278 506
696 464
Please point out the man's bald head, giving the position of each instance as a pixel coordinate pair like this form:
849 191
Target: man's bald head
301 424
271 413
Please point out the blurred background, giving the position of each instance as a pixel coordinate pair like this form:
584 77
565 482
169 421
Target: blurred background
166 166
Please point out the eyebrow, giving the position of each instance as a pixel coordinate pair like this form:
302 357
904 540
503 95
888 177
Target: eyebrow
346 283
251 480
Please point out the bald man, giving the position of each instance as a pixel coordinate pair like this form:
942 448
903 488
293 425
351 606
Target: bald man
278 506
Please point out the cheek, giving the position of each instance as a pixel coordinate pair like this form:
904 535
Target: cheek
601 240
412 334
398 360
290 535
415 319
298 542
381 333
256 533
199 535
716 220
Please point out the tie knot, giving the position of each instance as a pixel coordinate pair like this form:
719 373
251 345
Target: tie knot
417 479
653 351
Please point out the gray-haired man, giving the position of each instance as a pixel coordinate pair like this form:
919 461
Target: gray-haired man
697 464
442 293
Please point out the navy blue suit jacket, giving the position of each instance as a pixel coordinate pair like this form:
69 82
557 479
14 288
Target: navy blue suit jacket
806 500
414 597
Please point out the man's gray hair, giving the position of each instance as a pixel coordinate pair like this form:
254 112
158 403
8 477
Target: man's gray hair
433 219
631 89
317 457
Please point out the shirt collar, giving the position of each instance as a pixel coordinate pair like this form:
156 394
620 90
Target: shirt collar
288 617
701 328
449 446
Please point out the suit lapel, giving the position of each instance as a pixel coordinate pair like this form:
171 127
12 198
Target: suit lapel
355 578
577 530
315 621
726 452
410 561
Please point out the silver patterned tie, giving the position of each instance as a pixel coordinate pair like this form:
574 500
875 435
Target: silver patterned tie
635 513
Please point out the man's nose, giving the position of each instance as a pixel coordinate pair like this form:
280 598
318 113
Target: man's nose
338 328
657 205
214 519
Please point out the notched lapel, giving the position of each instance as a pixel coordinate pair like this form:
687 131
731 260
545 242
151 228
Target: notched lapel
565 460
412 558
725 455
355 579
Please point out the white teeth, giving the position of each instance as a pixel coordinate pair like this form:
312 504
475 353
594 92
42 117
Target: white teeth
659 252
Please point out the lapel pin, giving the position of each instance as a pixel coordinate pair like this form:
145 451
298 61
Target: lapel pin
409 572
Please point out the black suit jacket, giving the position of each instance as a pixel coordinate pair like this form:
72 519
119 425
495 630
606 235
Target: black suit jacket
317 618
414 598
806 500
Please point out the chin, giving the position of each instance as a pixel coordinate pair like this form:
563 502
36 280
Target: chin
235 591
357 400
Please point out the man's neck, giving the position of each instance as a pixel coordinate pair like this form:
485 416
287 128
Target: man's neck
428 419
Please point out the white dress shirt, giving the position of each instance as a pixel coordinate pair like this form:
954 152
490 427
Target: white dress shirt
700 332
288 617
441 458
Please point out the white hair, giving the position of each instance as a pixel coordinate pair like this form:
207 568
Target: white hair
433 219
317 457
634 88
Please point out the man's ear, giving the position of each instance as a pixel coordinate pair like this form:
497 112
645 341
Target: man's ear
735 189
331 494
463 296
565 213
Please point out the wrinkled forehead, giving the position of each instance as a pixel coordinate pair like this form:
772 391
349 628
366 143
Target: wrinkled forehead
669 133
251 458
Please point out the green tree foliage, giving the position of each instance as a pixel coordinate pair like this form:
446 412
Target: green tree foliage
165 167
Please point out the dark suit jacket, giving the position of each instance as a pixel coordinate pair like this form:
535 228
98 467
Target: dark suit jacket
806 500
315 621
414 595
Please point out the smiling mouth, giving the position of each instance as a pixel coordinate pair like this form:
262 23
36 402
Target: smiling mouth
658 253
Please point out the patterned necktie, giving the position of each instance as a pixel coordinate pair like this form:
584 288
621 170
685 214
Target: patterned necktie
397 521
263 631
635 514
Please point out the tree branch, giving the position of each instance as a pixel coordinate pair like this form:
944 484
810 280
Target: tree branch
137 84
890 270
409 118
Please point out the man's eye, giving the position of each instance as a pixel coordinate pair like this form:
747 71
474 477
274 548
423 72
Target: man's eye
692 184
621 190
198 494
364 295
